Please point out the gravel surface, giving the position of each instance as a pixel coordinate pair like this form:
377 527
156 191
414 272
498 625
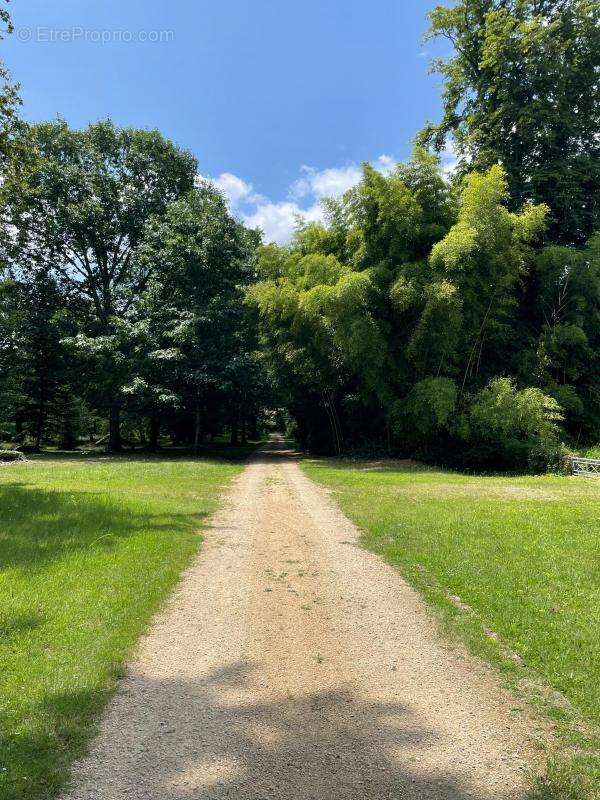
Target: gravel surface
292 664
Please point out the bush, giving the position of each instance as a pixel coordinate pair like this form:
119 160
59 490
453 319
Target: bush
515 429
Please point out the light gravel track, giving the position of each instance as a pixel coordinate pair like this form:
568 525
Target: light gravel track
292 664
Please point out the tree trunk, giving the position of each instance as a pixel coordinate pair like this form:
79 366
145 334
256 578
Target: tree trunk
114 435
39 432
40 423
154 432
253 427
244 430
197 430
234 426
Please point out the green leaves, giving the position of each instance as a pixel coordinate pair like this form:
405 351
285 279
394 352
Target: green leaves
521 90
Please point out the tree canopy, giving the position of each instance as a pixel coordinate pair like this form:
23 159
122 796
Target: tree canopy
522 88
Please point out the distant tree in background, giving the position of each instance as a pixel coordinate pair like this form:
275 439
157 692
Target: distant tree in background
399 322
522 89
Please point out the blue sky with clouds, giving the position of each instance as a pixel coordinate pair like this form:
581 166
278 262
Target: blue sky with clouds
280 101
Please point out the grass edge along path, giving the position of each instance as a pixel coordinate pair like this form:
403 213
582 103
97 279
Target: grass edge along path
89 551
510 566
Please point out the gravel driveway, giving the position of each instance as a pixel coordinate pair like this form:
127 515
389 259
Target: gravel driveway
292 664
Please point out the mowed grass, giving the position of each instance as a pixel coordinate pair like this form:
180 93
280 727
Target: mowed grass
513 565
88 551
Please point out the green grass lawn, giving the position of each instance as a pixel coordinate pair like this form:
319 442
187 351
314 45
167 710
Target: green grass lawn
88 551
524 554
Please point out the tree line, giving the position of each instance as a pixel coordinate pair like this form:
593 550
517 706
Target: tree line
122 296
449 316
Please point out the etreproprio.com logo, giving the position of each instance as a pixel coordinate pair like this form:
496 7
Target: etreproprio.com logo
77 33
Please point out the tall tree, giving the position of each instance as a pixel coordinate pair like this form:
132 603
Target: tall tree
522 88
193 352
485 256
76 206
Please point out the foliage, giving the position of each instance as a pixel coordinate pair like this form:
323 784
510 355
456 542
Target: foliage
112 220
454 317
428 409
522 426
467 336
521 89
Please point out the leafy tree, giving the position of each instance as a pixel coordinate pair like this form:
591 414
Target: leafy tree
517 428
564 318
521 89
77 207
36 373
11 358
485 255
194 352
335 308
427 410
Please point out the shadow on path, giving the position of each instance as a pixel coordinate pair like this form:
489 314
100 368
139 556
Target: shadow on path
211 740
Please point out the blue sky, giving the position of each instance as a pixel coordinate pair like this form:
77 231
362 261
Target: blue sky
279 101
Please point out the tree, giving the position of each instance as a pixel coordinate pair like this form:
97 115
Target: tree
513 428
11 357
195 348
336 308
36 375
563 352
485 255
76 207
522 89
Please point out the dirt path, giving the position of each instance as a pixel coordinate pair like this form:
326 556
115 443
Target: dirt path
292 664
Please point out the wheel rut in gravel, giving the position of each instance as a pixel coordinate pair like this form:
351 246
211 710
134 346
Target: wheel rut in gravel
292 664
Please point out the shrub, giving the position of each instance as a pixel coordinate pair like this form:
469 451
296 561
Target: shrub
515 428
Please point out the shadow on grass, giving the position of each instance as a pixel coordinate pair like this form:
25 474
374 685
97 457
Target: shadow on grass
410 466
217 451
35 761
404 465
38 526
18 623
40 735
205 739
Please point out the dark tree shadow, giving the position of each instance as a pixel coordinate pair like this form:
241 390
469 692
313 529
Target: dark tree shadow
39 526
208 451
19 623
210 740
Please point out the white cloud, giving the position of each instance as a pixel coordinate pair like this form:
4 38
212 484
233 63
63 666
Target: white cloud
236 190
277 220
332 182
385 164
